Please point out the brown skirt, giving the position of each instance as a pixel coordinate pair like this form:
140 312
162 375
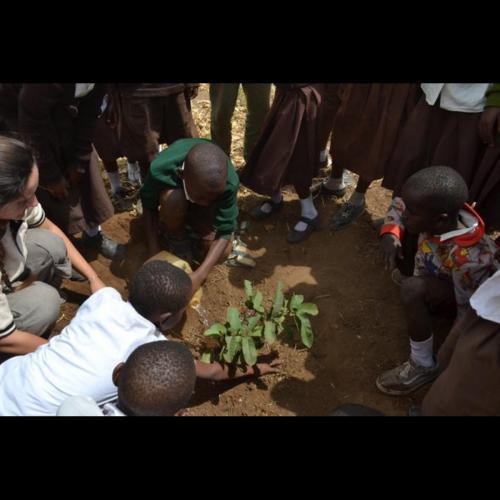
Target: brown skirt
433 136
368 123
288 149
147 122
485 189
471 359
106 141
87 206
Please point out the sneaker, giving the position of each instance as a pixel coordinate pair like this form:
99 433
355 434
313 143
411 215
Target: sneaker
406 378
122 201
106 246
347 214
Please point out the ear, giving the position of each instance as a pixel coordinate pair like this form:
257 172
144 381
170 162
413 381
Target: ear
116 373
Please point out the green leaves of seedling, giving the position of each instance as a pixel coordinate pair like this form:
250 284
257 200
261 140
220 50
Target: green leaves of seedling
247 330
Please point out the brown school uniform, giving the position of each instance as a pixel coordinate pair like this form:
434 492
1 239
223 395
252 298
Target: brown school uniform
149 114
288 149
435 136
367 125
469 384
60 129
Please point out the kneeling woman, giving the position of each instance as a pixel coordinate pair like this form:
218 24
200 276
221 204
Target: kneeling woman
33 252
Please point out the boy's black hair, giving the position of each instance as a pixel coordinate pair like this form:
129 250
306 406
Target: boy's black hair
157 380
439 189
208 163
159 287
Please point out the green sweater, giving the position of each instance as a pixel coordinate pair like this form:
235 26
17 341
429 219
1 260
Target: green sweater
493 96
163 175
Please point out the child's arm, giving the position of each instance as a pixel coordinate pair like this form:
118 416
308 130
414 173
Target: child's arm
217 250
216 371
392 233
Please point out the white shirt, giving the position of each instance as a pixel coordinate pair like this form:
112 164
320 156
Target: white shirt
83 406
16 253
77 362
486 299
463 97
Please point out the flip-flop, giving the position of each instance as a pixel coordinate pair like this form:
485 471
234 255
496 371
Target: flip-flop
295 236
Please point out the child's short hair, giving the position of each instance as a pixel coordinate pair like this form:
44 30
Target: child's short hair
159 287
441 189
157 380
209 163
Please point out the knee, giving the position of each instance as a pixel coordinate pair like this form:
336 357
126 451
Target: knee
173 205
413 290
48 310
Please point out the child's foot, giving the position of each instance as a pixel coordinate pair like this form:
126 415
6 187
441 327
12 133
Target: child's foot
266 209
406 378
296 236
348 213
105 246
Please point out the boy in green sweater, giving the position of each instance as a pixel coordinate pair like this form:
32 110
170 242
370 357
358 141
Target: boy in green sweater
192 183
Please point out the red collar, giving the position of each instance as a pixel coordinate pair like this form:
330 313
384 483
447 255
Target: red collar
469 239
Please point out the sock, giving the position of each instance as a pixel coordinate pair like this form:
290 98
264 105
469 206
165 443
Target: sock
333 183
357 199
134 172
323 155
422 352
276 198
93 231
114 180
307 209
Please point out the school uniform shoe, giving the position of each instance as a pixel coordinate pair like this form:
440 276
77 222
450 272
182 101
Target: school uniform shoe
348 213
406 378
105 246
258 214
295 236
322 190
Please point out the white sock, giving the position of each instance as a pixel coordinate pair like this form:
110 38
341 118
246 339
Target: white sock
93 231
276 198
357 199
307 209
134 172
422 352
323 155
333 183
114 180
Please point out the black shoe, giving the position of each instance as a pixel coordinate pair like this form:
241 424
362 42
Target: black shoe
106 246
258 214
322 190
295 236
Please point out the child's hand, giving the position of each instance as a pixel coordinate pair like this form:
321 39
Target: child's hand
390 248
265 368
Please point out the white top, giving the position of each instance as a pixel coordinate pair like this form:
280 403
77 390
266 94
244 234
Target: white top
463 97
16 253
83 406
486 299
77 362
82 89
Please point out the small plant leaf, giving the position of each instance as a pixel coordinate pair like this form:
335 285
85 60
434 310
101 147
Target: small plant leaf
278 301
253 321
249 351
215 330
233 318
248 289
256 332
296 301
306 333
206 357
233 343
308 308
257 302
270 332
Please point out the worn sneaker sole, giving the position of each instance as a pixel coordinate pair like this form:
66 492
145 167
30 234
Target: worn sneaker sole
409 390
